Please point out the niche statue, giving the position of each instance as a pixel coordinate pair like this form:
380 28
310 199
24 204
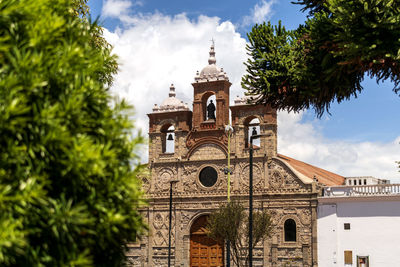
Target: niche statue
211 111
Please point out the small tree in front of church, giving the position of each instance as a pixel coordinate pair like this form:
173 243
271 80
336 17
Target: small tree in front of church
230 223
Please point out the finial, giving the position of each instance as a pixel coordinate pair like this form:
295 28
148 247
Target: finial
212 59
172 90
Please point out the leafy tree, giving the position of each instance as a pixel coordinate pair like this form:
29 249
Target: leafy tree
326 59
230 223
68 189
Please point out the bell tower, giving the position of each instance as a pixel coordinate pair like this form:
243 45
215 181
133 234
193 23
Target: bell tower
210 106
169 125
211 81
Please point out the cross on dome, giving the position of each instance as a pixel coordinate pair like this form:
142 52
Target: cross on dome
211 72
211 59
172 90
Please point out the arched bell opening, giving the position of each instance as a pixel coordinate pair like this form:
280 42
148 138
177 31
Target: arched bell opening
252 127
168 138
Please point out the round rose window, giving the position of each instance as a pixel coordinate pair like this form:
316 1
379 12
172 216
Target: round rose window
208 176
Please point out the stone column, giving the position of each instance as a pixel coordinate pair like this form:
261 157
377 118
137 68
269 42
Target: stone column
314 233
306 253
150 238
274 255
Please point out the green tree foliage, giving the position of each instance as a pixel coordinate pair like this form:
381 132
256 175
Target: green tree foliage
230 223
68 192
326 59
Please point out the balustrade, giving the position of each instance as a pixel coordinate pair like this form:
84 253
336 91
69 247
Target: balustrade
361 190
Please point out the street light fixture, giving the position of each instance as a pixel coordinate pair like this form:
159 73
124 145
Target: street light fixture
252 137
170 220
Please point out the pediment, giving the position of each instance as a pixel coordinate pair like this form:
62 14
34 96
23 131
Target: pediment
282 177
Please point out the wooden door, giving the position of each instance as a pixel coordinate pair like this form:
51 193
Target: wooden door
204 251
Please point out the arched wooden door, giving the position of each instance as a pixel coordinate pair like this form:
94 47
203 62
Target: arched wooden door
204 251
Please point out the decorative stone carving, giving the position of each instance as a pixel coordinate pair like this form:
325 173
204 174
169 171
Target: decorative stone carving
159 239
276 215
145 184
161 225
304 215
276 180
158 221
257 177
164 177
134 261
290 181
161 220
189 180
282 179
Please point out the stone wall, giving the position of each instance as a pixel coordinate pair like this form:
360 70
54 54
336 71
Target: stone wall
276 189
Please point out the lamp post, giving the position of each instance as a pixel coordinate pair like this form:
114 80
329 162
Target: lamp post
228 171
170 220
252 137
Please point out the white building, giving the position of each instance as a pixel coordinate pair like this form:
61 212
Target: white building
365 180
359 226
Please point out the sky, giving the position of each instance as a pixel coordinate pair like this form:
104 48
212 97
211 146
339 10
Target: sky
162 42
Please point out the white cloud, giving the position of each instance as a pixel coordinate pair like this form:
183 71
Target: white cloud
305 142
156 50
118 8
261 12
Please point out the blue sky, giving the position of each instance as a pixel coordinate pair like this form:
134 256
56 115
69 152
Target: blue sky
160 42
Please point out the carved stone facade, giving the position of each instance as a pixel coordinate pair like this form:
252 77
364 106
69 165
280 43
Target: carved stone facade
198 143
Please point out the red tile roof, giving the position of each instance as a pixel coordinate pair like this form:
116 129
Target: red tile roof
325 177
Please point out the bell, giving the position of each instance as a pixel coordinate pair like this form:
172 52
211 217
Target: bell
170 137
254 132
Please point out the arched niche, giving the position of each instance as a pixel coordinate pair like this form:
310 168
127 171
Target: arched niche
206 100
290 230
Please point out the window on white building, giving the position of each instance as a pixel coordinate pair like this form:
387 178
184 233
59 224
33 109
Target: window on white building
362 261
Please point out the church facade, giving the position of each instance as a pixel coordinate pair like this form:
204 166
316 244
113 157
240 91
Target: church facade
188 152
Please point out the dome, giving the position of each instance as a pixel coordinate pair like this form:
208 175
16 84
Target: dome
245 100
171 103
211 72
